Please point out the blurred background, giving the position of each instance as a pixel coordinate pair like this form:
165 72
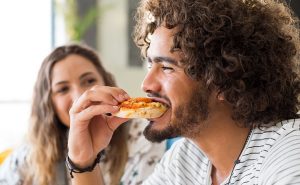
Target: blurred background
31 29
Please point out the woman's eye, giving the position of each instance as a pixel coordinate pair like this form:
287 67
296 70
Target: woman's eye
62 90
90 81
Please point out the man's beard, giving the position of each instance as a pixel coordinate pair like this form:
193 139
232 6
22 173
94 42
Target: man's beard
187 120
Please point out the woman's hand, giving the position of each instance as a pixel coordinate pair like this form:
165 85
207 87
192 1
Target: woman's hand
90 127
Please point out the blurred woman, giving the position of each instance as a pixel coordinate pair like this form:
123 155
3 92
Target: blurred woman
65 74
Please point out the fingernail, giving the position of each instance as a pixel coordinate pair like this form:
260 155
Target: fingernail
116 107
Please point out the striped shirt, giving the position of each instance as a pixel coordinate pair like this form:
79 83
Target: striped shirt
271 156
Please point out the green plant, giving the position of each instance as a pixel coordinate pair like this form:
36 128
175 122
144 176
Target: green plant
77 25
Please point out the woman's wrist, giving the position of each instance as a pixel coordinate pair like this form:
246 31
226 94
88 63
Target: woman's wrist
81 162
79 155
75 168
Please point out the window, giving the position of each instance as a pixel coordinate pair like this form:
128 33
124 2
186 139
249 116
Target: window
25 40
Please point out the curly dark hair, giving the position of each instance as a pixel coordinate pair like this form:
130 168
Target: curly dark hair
247 50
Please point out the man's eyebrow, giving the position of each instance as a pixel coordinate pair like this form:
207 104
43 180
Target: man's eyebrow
162 59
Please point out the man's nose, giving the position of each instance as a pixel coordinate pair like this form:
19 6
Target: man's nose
151 82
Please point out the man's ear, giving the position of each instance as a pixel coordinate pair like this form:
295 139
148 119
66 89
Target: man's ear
220 96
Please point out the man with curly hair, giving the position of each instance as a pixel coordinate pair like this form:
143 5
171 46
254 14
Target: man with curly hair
228 70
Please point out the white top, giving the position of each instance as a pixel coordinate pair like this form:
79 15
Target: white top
143 156
271 156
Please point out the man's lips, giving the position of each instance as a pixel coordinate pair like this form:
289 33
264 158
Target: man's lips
162 100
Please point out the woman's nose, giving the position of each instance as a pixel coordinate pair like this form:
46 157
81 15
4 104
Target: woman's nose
77 92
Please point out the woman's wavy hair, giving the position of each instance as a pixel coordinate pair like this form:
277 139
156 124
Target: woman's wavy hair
48 135
246 50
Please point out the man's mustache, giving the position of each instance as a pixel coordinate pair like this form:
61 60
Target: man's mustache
157 95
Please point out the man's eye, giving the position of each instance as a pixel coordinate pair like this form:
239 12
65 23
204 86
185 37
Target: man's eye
149 67
167 68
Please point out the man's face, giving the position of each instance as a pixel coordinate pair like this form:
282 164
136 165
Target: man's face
167 82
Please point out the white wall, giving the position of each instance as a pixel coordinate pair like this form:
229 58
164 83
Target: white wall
25 36
113 46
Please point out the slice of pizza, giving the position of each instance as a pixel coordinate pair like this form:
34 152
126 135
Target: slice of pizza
141 107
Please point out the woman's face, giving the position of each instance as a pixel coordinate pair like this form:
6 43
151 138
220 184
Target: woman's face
70 78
